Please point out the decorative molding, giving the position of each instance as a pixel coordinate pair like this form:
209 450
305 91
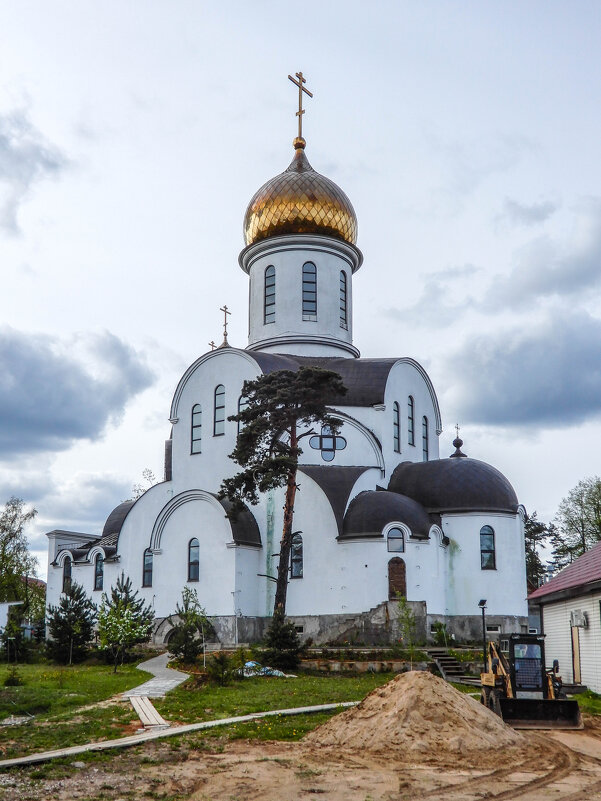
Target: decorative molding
172 506
305 242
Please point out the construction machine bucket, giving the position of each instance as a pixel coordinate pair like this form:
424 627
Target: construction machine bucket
534 713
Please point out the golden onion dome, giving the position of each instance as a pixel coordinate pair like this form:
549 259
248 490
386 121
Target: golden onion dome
300 201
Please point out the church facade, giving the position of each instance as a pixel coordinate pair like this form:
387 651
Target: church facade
378 513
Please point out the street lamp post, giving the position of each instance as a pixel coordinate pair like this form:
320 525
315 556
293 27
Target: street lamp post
482 605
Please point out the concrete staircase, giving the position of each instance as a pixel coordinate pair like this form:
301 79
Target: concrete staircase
450 668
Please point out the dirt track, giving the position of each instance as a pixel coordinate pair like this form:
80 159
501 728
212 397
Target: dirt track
565 766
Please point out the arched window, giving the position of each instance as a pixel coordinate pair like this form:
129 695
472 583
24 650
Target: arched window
196 423
269 295
242 404
98 571
343 306
309 291
411 421
193 560
147 569
67 567
425 449
296 557
396 427
396 540
219 413
487 548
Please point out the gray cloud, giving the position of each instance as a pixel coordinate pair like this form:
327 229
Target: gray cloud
52 393
25 158
549 377
441 301
546 268
523 214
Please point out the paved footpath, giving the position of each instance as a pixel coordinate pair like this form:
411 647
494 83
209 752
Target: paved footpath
165 678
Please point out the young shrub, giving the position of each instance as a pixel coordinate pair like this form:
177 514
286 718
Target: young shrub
219 668
13 678
440 633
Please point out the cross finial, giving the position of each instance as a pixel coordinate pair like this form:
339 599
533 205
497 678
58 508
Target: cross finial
225 311
301 89
212 345
457 429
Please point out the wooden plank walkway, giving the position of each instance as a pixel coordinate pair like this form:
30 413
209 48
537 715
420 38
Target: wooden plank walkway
146 712
157 734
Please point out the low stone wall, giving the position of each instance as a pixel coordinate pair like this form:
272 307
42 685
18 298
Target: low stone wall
361 666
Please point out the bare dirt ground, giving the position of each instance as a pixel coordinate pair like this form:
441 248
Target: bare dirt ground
415 738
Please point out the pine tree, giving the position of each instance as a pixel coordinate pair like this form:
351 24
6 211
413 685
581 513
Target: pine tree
281 407
124 620
71 625
536 535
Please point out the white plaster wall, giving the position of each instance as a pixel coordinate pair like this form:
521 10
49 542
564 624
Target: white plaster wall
404 380
352 576
504 588
558 638
207 469
287 255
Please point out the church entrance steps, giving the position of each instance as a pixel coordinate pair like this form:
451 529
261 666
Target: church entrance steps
450 669
146 712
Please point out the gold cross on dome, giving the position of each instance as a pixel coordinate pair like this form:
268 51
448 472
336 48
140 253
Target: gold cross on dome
301 89
225 311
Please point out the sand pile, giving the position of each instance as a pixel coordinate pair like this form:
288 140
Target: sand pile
416 712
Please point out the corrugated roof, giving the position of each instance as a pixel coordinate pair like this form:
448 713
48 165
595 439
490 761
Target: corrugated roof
586 569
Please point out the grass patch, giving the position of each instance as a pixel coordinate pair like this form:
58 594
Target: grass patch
49 690
589 702
188 704
55 695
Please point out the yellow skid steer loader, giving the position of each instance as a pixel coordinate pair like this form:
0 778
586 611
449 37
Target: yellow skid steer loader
519 688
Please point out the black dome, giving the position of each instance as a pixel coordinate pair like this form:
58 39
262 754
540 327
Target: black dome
370 511
115 520
446 485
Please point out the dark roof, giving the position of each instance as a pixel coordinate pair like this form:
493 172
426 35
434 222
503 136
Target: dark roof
371 510
584 570
244 526
364 379
445 485
115 520
337 484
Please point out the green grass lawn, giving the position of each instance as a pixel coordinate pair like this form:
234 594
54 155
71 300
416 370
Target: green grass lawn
49 689
186 704
55 695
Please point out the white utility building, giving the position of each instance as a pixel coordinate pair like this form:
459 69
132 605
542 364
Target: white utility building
380 514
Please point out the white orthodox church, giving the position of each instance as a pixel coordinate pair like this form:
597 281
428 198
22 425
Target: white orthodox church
379 513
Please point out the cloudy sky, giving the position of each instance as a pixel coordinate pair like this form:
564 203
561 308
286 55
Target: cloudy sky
132 136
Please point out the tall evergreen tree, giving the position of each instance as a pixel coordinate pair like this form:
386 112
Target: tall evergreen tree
71 625
281 408
536 535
